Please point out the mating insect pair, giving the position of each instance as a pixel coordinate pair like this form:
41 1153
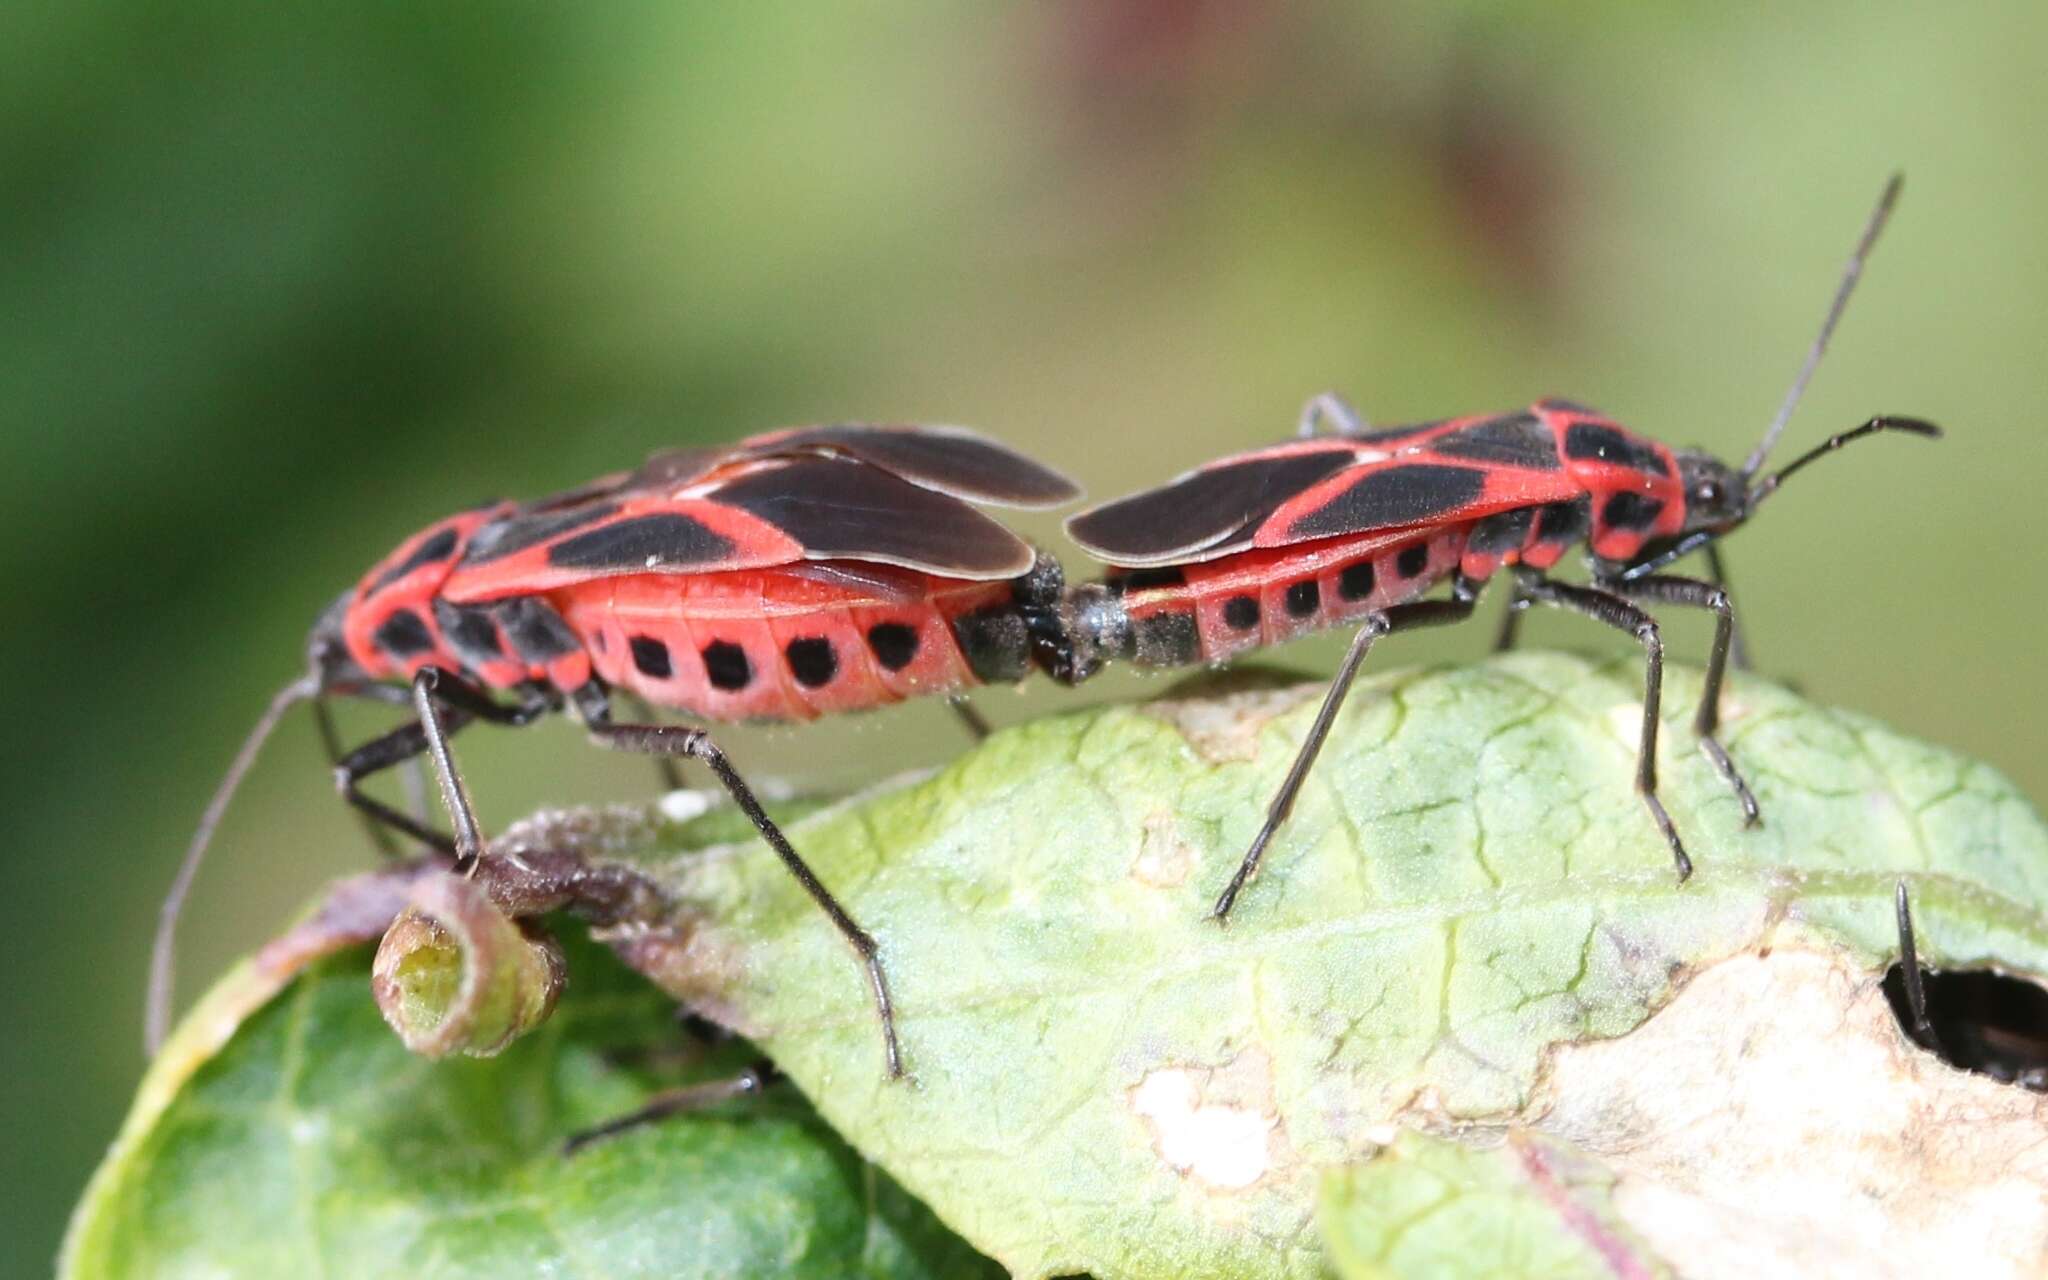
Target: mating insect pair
836 568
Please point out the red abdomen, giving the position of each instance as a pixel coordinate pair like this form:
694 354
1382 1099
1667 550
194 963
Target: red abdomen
779 644
1210 610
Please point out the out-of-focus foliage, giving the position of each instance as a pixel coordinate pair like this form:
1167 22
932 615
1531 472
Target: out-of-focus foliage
276 287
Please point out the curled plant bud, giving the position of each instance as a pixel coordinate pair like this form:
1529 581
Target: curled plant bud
455 974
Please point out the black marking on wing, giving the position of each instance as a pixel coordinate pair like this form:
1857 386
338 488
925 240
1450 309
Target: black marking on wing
1513 439
661 540
1591 442
501 538
1390 497
842 509
948 460
430 551
1208 511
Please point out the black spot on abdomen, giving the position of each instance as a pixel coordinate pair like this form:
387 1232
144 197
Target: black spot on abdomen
1412 560
812 661
1168 638
726 666
894 644
650 657
995 642
1241 613
1304 598
1357 581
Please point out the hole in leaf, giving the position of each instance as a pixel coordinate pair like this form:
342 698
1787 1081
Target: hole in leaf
1990 1023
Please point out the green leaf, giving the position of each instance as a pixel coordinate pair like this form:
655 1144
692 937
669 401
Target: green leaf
1469 928
311 1143
1437 1210
1105 1081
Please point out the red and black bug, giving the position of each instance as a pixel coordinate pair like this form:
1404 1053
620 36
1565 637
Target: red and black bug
793 574
1356 526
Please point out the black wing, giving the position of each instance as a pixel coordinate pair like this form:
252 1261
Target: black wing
842 508
1204 513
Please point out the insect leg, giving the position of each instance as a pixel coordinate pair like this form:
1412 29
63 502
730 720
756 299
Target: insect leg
968 716
1694 594
1400 617
695 744
464 704
1331 408
691 1097
1717 573
1909 971
1511 617
378 831
670 772
406 742
1605 606
427 697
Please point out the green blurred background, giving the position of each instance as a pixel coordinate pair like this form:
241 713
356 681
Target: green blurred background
276 289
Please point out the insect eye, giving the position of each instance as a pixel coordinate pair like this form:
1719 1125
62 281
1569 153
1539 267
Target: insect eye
1708 494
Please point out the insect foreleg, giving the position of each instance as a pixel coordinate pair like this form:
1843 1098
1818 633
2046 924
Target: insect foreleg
1606 607
1694 594
1400 617
1717 573
688 742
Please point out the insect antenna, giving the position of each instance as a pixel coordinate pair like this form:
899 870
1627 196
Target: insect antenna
1850 275
1767 486
162 956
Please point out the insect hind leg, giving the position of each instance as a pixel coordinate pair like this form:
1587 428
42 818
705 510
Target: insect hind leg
1383 622
691 743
